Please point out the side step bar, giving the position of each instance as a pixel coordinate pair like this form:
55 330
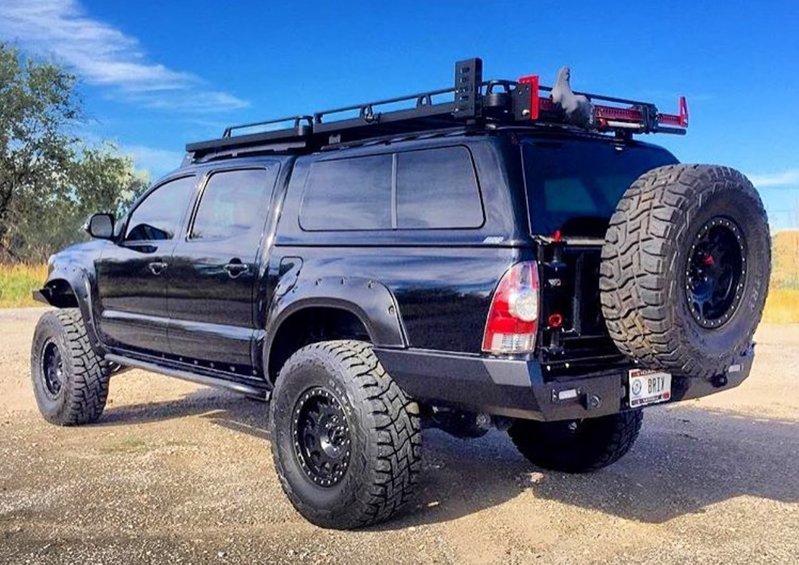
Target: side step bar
189 376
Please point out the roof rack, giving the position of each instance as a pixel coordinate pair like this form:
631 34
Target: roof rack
473 102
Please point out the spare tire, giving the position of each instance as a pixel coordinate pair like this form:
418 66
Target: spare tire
685 269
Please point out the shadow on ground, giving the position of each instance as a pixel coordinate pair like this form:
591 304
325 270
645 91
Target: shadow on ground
685 460
228 409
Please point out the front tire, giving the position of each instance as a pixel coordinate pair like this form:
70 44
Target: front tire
577 446
346 439
70 381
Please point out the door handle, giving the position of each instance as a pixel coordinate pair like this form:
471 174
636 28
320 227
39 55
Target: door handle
157 267
235 268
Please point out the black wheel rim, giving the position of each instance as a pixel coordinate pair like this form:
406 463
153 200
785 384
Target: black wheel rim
321 436
716 272
52 368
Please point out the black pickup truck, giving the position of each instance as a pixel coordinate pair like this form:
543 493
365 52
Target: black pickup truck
498 253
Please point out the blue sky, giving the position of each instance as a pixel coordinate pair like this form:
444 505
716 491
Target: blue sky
157 74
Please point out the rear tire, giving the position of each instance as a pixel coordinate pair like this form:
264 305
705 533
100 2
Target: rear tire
577 446
685 269
345 439
70 381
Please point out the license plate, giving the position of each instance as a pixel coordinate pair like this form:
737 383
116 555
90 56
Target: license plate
648 387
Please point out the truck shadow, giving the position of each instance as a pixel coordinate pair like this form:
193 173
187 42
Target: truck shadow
685 460
223 408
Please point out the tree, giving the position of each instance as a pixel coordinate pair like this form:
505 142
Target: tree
49 181
42 221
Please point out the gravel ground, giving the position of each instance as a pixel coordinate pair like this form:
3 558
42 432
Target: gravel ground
180 473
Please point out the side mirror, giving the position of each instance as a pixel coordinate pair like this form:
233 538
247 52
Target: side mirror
101 226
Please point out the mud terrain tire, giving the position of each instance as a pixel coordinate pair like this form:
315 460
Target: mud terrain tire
75 390
343 383
577 446
685 269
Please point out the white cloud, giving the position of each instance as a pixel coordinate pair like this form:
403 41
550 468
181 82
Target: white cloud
193 101
787 178
155 161
103 55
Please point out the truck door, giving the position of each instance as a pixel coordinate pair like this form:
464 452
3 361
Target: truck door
132 275
213 270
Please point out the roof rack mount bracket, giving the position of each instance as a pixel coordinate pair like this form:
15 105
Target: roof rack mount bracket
468 81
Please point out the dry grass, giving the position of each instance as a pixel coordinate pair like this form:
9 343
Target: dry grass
782 306
17 282
785 260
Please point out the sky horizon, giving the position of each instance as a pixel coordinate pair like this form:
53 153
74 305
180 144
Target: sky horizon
152 84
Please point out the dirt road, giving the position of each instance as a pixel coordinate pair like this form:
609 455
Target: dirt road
179 473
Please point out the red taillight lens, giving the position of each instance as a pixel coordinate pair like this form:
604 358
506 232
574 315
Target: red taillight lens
513 317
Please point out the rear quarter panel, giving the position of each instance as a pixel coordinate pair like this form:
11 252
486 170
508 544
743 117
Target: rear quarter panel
441 280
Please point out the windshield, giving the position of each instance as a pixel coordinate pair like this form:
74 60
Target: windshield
574 185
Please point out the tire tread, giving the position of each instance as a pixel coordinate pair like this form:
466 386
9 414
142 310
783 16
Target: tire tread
396 431
89 374
637 275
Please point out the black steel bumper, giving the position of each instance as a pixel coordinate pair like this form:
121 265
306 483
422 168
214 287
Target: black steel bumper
518 389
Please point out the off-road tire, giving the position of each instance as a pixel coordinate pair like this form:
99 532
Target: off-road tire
644 276
84 388
577 446
384 428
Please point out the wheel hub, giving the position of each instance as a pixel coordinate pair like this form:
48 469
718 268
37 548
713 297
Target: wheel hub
321 435
715 274
52 368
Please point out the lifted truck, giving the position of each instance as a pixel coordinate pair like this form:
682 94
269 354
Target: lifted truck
497 252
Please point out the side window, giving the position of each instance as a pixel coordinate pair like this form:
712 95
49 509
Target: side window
232 203
437 188
158 216
348 194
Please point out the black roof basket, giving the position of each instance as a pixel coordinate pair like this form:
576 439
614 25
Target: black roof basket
470 100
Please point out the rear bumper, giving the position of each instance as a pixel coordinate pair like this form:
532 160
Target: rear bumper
517 388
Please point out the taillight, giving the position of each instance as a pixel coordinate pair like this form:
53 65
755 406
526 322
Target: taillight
513 317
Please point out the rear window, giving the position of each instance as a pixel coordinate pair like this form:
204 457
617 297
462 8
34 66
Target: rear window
421 189
348 194
574 186
437 188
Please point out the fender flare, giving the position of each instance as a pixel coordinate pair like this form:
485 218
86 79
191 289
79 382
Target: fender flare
78 280
370 301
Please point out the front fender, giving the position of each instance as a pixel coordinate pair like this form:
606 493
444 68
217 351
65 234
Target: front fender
69 285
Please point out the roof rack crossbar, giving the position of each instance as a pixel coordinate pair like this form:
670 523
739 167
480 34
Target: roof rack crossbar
474 101
296 119
417 98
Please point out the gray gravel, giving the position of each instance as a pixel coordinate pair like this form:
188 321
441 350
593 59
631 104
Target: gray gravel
179 473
